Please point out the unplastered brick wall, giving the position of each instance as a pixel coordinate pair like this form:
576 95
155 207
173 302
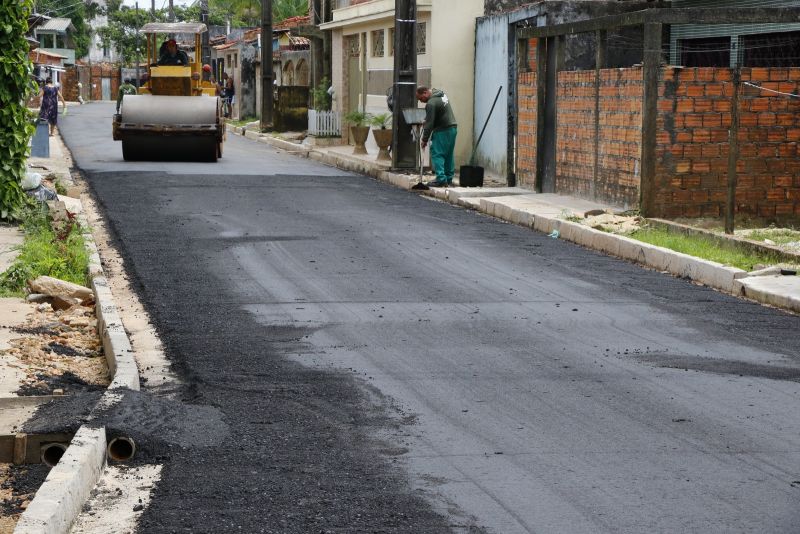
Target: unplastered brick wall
526 127
575 105
694 118
617 128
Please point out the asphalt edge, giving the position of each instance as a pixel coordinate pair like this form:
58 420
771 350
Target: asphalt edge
59 500
709 273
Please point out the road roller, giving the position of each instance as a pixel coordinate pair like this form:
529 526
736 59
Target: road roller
176 115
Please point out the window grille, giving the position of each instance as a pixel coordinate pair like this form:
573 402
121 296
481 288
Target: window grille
422 38
378 43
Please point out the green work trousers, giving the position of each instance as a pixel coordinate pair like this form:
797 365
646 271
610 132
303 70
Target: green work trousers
443 144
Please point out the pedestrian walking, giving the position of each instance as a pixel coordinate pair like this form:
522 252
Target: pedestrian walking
440 129
126 88
49 108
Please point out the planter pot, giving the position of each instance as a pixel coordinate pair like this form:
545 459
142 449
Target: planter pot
360 134
383 138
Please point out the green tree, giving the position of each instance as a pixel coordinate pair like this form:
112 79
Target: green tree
15 120
248 12
79 12
121 31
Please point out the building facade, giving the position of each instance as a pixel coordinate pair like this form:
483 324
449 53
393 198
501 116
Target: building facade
362 56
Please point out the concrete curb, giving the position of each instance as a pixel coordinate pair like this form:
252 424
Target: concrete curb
67 487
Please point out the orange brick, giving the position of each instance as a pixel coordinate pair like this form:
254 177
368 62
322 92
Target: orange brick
759 74
713 89
701 136
767 119
694 90
685 105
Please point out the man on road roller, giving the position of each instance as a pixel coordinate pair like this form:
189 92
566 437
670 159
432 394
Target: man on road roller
176 115
172 55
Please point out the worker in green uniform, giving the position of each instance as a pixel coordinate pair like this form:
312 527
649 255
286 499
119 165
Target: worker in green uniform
440 129
126 88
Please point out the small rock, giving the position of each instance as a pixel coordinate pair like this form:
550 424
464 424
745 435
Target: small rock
63 302
37 297
138 507
58 391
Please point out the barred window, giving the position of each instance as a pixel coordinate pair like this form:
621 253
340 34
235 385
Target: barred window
422 38
378 43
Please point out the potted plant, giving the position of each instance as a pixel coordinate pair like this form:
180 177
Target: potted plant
359 129
382 134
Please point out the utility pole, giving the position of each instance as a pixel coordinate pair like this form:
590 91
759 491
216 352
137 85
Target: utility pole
267 91
152 9
138 78
404 150
205 56
171 12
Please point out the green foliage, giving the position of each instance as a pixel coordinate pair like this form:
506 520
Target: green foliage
284 9
16 127
320 99
56 250
79 12
381 120
358 118
248 12
121 32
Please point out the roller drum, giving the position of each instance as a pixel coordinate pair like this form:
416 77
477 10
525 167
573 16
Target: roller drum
169 110
170 128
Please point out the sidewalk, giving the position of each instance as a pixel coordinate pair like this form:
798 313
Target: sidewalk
556 216
68 484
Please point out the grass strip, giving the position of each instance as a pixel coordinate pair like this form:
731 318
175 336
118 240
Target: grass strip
703 247
49 249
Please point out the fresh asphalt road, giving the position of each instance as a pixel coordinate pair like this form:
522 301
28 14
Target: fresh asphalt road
377 361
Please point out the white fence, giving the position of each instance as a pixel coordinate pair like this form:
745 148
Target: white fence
324 123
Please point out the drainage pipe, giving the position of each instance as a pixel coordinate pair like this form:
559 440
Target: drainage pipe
51 453
121 449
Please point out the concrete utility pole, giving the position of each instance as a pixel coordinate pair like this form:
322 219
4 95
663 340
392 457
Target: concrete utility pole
205 56
138 60
171 12
404 150
267 91
152 8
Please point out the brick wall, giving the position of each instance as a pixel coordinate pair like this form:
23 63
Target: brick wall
575 105
619 155
526 127
693 147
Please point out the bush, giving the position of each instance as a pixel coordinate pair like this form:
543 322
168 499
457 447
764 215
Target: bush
16 125
320 99
51 249
358 118
381 120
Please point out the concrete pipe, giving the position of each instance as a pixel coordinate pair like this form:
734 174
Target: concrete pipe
52 453
121 449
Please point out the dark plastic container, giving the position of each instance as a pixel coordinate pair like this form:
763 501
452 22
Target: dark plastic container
471 176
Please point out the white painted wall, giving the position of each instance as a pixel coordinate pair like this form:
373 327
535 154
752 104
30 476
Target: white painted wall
452 39
491 71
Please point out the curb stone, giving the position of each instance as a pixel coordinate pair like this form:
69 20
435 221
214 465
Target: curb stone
67 487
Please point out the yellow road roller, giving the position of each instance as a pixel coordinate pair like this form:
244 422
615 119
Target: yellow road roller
176 115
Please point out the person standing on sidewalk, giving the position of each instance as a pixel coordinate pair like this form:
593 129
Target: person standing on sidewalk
441 129
49 109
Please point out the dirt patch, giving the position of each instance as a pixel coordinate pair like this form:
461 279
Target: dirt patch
18 484
59 350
